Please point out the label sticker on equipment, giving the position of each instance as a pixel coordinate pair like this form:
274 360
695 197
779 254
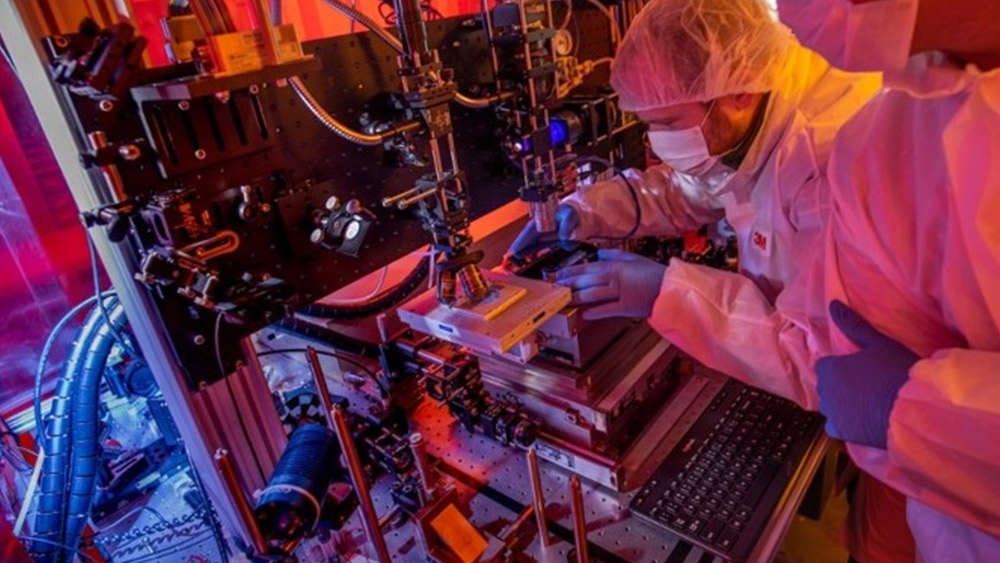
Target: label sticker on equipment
552 454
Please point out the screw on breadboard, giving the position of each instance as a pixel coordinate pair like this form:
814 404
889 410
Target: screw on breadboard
152 529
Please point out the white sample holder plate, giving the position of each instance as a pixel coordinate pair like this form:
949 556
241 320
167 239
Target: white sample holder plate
503 324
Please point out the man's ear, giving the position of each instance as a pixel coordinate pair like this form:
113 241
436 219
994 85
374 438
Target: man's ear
739 102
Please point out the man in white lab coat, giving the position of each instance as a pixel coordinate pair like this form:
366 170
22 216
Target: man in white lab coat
914 248
743 118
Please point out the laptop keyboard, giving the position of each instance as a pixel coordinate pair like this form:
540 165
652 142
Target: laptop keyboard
721 483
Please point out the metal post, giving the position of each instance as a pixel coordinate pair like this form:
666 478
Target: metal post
225 465
538 498
514 529
424 471
368 516
319 379
579 520
270 34
412 30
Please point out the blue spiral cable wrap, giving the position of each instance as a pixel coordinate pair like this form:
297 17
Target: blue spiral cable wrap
86 447
49 517
44 357
72 446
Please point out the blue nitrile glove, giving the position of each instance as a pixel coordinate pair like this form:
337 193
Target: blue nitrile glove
567 220
857 391
622 284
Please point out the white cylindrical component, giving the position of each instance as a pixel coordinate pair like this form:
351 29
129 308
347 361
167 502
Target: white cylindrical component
543 213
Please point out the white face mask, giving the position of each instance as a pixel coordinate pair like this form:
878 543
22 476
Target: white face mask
684 150
874 36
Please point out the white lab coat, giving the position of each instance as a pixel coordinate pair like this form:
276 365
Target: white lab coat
914 247
767 325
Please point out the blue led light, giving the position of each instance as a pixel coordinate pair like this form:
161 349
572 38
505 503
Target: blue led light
558 134
558 131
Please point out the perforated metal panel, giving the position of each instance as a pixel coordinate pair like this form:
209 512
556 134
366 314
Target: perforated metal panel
262 136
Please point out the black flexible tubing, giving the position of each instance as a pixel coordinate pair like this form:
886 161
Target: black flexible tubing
380 304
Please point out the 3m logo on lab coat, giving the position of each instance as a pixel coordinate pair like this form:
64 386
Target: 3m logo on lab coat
761 242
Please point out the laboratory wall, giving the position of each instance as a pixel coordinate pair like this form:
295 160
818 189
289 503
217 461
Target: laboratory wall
44 263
